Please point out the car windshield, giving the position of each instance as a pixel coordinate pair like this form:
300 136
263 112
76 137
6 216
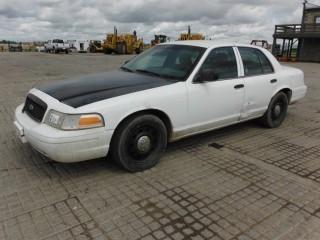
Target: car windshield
57 41
168 61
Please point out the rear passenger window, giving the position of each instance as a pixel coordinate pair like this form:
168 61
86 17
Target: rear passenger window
254 62
266 65
222 61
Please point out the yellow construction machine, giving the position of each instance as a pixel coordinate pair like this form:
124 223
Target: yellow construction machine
95 46
122 43
190 36
158 39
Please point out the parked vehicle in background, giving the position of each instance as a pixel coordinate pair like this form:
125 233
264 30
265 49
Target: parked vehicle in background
95 46
28 47
261 43
4 47
81 46
41 49
57 46
190 36
172 91
122 43
15 47
158 39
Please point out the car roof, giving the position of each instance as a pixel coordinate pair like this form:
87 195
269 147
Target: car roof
207 43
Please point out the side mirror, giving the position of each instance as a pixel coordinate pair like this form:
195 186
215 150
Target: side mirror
207 75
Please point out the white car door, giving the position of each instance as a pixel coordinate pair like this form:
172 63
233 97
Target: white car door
216 94
260 82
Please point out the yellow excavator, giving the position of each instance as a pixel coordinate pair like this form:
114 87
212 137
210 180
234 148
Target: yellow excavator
190 36
122 43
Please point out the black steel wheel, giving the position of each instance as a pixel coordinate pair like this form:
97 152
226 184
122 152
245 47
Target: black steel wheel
277 111
139 142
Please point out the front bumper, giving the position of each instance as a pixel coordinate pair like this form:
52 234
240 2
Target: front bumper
62 146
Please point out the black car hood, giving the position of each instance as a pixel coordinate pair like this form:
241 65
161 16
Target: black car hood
96 87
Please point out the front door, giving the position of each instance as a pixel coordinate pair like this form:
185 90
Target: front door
217 102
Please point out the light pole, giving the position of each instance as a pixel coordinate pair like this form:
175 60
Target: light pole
304 9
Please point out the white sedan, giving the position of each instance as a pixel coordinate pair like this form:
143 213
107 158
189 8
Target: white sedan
169 92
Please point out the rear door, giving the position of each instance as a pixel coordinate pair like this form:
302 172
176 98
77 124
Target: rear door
259 80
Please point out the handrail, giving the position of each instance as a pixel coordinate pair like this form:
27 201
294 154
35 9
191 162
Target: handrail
297 28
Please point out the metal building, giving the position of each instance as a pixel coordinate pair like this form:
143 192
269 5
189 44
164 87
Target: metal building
300 42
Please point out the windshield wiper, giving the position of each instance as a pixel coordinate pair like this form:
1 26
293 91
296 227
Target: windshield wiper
148 72
156 74
126 69
171 77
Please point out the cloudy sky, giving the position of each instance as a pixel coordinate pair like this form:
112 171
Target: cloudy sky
236 20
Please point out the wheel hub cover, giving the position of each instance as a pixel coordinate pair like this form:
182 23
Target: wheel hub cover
144 144
277 110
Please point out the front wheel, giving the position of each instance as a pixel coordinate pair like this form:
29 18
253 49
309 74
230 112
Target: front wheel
139 49
139 143
277 111
107 50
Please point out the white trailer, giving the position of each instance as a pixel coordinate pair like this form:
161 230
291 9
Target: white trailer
81 45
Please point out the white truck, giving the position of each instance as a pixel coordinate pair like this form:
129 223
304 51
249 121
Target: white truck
57 46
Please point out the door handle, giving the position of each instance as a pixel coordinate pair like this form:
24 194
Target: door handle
239 86
273 81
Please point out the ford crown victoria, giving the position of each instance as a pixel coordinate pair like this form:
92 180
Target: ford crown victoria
169 92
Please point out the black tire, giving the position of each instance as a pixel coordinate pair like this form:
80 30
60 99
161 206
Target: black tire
124 49
277 111
139 50
107 51
121 48
139 142
67 51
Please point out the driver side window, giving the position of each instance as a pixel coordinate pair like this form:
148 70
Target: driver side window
222 63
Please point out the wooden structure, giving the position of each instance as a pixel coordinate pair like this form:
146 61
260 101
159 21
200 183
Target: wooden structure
300 42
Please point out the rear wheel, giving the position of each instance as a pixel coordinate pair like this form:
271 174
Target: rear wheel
139 142
277 111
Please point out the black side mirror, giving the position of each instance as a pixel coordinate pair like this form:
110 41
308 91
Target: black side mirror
206 75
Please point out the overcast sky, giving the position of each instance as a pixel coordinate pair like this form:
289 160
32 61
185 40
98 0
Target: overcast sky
236 20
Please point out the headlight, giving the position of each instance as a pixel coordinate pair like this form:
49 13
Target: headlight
73 121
